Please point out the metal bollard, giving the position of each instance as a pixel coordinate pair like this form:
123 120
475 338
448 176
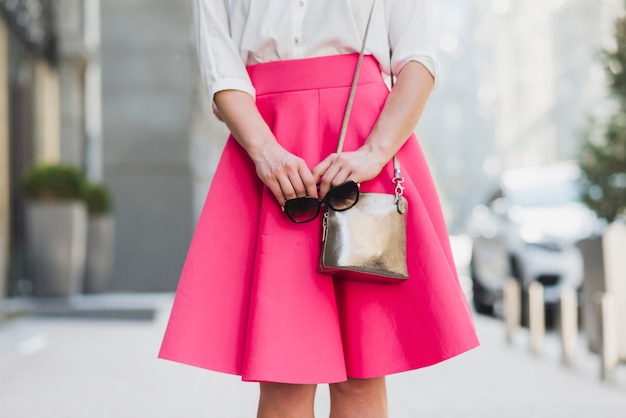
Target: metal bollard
536 317
512 308
608 337
569 325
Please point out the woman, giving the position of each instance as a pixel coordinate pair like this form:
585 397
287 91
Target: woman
250 301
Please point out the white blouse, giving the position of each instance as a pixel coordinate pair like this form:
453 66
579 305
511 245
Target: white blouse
231 34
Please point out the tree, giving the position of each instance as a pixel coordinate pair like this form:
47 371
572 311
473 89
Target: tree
602 157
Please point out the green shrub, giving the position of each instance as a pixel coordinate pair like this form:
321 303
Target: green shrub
602 157
98 199
603 164
54 182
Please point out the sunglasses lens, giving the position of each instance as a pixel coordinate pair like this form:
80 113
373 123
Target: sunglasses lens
343 197
302 209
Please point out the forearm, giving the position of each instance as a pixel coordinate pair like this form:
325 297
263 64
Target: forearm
285 174
239 112
401 112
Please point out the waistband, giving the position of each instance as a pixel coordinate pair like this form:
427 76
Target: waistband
312 73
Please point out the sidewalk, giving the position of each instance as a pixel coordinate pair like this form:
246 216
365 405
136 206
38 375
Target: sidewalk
98 368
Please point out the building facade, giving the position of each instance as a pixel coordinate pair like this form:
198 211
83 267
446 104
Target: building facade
47 58
520 81
113 89
160 141
29 98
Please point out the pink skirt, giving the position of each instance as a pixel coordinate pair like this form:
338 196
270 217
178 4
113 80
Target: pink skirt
250 301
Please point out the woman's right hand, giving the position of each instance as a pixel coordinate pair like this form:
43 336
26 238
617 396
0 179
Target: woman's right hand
285 174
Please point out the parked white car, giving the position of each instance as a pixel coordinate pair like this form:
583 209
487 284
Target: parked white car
530 229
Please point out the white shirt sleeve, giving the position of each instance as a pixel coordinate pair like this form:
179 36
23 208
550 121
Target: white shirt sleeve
221 66
231 34
411 34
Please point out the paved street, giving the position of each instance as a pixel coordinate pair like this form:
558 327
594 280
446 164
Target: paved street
91 368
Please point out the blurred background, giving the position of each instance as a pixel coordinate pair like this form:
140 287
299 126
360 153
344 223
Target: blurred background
112 89
108 145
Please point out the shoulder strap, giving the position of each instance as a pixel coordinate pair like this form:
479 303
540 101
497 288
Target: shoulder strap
355 79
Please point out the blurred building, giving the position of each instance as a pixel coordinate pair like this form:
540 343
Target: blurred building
113 88
29 115
547 73
61 97
520 83
49 110
161 141
456 129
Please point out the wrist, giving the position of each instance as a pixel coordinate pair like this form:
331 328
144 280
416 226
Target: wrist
258 148
374 152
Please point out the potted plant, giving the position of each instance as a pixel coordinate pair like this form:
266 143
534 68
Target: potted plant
100 238
56 228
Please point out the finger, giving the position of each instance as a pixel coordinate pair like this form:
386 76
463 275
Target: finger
287 188
341 177
277 192
309 182
327 179
298 184
324 172
320 169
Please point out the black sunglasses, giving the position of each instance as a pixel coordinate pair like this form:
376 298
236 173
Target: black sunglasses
339 198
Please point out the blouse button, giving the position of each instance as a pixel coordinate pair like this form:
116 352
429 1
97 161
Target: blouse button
296 41
301 4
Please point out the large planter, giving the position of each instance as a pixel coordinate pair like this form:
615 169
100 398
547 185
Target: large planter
57 238
100 250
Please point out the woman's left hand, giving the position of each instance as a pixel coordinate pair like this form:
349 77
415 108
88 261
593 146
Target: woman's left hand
360 165
395 124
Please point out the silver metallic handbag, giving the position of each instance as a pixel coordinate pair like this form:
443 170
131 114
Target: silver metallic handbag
368 241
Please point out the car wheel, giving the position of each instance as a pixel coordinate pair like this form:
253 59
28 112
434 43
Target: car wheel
516 273
481 297
552 315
